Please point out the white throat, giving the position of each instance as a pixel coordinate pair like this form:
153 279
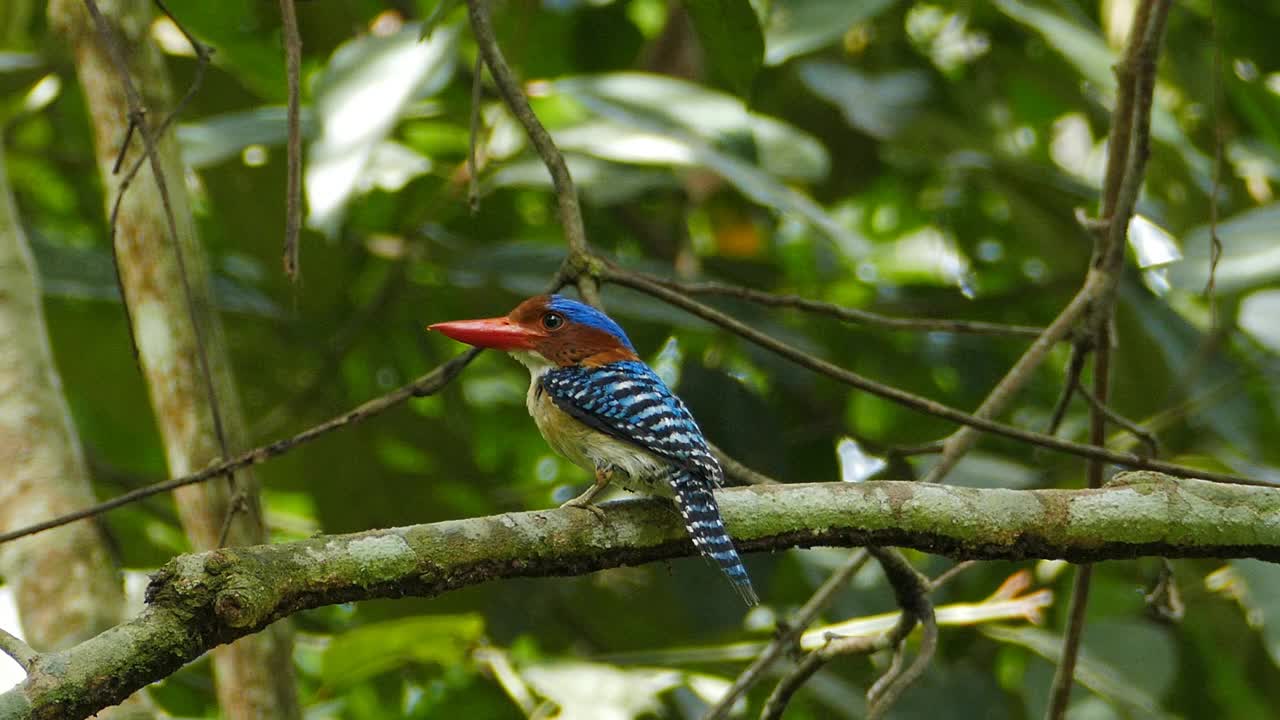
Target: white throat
537 364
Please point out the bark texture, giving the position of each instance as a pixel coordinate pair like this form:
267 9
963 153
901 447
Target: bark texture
198 601
254 676
66 583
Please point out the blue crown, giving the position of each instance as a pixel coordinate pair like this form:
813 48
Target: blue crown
584 314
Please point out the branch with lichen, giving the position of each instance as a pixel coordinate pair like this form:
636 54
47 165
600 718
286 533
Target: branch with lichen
199 601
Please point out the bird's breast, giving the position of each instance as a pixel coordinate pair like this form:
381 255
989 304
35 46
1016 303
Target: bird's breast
589 448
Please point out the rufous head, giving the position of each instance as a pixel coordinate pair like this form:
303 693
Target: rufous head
562 331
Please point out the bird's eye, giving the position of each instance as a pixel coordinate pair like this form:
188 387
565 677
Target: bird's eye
552 321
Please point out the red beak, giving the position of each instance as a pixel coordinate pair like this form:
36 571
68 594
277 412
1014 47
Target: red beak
496 333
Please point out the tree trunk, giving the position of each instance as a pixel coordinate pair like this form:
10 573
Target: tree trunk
172 316
66 583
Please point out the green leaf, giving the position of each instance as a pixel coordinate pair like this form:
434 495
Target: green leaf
216 138
1251 257
655 120
1127 690
878 105
796 27
358 99
1088 52
373 649
243 35
731 38
1261 597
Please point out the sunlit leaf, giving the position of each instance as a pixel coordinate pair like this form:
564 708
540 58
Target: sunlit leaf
1010 602
1256 586
1250 257
715 131
358 98
1260 317
604 182
855 464
1152 245
684 112
593 691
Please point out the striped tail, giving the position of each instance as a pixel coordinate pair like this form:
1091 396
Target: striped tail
701 515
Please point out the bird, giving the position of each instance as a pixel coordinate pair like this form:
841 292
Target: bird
600 406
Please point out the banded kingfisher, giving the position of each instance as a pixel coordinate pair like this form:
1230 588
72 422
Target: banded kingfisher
598 405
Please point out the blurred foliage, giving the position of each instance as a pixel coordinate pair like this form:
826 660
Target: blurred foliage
912 158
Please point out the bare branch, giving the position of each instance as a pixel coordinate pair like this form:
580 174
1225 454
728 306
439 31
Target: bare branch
293 190
911 591
788 635
1126 167
428 384
846 314
1143 436
473 167
735 470
950 574
570 211
14 647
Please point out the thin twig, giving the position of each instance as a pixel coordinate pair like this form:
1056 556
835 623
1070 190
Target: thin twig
735 470
138 118
1075 366
911 592
909 589
1219 139
1019 375
1126 166
428 384
616 275
1164 602
1072 387
473 167
1064 676
204 55
293 190
950 574
788 635
570 211
1137 431
16 648
846 314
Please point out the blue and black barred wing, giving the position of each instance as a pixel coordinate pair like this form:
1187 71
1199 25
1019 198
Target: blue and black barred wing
628 401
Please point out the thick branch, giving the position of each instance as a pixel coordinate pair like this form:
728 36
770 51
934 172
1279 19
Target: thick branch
200 601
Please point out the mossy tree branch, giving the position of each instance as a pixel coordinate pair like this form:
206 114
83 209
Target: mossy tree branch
199 601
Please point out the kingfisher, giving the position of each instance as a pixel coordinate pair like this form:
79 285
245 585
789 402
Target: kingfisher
598 405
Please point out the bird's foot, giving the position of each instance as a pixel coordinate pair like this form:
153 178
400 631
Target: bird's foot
583 502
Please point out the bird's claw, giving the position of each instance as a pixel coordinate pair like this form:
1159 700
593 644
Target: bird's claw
584 503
